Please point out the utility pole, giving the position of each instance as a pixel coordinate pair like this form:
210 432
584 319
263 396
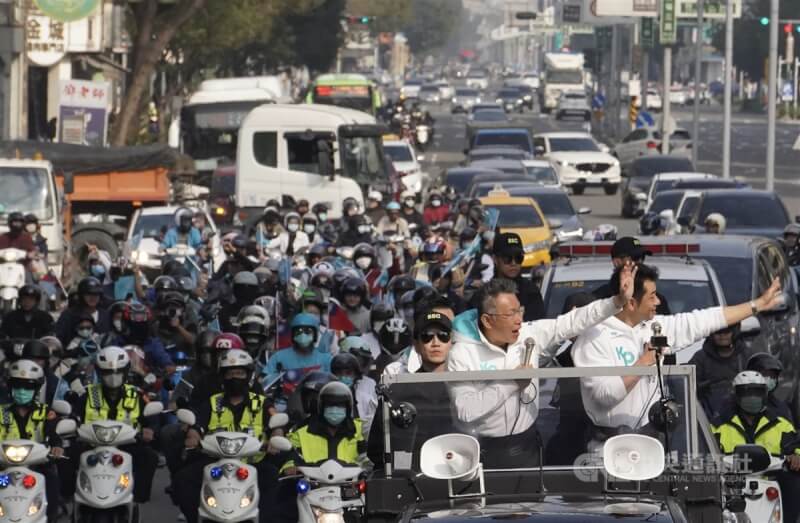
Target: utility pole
698 69
614 82
773 91
666 128
726 123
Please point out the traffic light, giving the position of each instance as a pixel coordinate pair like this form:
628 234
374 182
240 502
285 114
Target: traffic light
364 19
787 28
359 20
765 20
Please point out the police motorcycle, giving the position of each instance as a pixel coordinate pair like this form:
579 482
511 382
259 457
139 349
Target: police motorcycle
759 490
12 276
105 473
230 485
22 489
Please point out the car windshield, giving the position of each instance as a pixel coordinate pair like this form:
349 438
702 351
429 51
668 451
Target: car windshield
460 181
489 153
223 185
398 153
653 166
681 295
489 116
152 225
520 140
467 92
749 212
542 174
508 93
429 89
737 275
573 144
26 190
666 200
513 216
553 204
565 77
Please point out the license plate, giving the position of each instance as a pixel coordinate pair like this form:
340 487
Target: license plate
350 492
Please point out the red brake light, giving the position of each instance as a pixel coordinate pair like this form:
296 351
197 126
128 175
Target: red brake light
242 473
29 481
117 460
652 145
772 493
362 487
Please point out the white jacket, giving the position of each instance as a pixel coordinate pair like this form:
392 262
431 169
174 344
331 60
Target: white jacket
495 409
614 343
282 242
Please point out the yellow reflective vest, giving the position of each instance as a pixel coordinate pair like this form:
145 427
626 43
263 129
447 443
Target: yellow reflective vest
315 446
251 422
772 432
97 408
34 427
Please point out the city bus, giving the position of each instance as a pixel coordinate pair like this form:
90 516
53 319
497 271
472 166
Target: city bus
354 91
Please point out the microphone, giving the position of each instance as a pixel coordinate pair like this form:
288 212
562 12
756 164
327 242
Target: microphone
657 340
529 345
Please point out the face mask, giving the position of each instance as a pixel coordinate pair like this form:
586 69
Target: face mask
436 203
363 229
309 229
322 216
84 333
293 227
114 380
751 404
303 340
409 203
22 396
117 325
98 270
364 262
347 380
335 415
771 384
31 228
236 386
488 236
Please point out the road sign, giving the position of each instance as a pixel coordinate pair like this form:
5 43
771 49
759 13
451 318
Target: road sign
626 8
668 22
787 92
648 33
645 119
712 9
599 101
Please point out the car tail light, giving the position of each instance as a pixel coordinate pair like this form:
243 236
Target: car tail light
652 145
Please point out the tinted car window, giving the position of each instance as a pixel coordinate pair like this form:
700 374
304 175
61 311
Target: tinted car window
737 275
517 216
572 144
651 166
513 139
467 92
638 134
666 200
398 153
489 116
751 211
554 204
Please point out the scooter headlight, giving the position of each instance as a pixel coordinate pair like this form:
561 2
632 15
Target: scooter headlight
247 499
328 517
35 506
17 453
123 483
2 511
211 501
106 434
230 446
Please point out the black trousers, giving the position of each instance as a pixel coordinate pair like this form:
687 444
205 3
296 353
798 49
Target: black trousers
790 488
188 482
521 450
52 488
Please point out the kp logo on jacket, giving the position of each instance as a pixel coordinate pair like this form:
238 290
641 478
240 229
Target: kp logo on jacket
626 357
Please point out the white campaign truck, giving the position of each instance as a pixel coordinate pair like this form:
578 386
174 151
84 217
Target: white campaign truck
563 73
322 153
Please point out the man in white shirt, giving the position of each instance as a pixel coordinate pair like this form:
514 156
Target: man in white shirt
502 414
618 404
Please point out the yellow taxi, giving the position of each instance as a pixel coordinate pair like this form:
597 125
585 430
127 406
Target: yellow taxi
523 216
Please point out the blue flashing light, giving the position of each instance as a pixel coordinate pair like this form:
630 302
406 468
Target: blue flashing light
5 480
216 472
92 460
303 486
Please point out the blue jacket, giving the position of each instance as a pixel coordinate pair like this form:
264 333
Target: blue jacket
171 238
296 364
156 353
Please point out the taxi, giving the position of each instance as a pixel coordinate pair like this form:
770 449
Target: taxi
523 216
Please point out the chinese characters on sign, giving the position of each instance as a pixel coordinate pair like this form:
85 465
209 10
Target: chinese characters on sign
46 40
86 102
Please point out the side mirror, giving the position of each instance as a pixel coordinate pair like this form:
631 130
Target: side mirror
66 427
69 183
280 443
585 210
555 223
642 197
186 416
750 458
750 326
61 407
154 408
278 420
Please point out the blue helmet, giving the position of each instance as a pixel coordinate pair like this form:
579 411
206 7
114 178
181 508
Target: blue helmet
393 206
304 320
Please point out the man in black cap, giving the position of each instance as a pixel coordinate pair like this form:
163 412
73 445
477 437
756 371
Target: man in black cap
624 250
508 254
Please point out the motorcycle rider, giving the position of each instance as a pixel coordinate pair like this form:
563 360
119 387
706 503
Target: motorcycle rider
392 222
771 367
347 368
245 290
353 294
754 423
292 239
410 213
33 228
236 409
374 209
172 328
116 332
379 314
395 338
28 320
315 303
717 364
17 237
320 210
88 301
27 418
358 231
436 211
310 228
38 352
183 232
365 258
236 262
254 330
113 399
301 358
138 326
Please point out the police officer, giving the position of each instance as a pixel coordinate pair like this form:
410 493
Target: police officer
27 418
754 423
38 352
28 321
236 409
113 399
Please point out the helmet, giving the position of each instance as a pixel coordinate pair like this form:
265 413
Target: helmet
650 223
319 208
718 219
399 285
304 320
181 215
408 194
350 202
35 349
324 268
433 247
317 249
314 296
303 402
252 314
375 195
90 285
362 250
137 313
757 362
253 328
236 358
380 312
53 343
354 345
792 228
112 359
173 298
245 278
204 342
118 306
30 290
165 283
336 394
345 361
749 378
395 335
186 284
270 304
25 374
467 234
290 216
393 206
227 341
15 217
354 286
239 241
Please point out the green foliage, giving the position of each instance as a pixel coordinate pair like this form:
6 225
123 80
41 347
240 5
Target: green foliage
432 24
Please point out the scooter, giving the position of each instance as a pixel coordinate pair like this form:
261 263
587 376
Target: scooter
330 492
105 474
22 490
762 494
12 276
423 136
230 486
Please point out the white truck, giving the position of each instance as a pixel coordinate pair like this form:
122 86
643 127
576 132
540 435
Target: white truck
322 153
563 72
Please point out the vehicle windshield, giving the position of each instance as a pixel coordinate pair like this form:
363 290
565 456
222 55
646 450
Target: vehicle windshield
450 405
666 200
212 130
223 185
544 175
520 140
26 190
358 97
575 96
152 225
573 144
460 181
736 275
514 216
681 295
653 166
362 159
485 153
553 204
467 93
508 93
429 89
555 76
746 213
489 116
398 153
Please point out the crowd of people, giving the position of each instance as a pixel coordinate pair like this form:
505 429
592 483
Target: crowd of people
307 314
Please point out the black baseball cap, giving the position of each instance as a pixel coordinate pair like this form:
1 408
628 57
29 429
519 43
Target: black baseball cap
431 319
629 246
507 243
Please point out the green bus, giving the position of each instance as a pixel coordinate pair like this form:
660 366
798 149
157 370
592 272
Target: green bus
354 91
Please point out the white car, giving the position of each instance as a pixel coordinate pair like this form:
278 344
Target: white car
532 79
580 161
148 226
406 163
478 80
646 141
654 102
663 181
678 95
410 89
446 91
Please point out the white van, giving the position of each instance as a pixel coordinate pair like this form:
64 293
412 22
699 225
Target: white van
321 153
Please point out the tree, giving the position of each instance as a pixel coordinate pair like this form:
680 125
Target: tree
432 24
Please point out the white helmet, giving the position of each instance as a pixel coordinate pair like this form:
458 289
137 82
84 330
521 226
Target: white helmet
375 195
291 216
252 313
718 219
235 358
26 370
324 268
407 194
749 378
113 359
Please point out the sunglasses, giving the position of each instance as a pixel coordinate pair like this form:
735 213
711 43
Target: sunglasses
517 258
442 336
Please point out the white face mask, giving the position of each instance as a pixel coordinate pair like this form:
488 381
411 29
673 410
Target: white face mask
410 202
364 262
436 203
322 216
293 227
309 229
84 333
364 229
117 325
31 228
114 380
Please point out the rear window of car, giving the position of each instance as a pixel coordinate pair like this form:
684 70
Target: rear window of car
517 216
398 153
429 89
554 204
664 201
650 167
466 92
747 212
520 140
488 115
